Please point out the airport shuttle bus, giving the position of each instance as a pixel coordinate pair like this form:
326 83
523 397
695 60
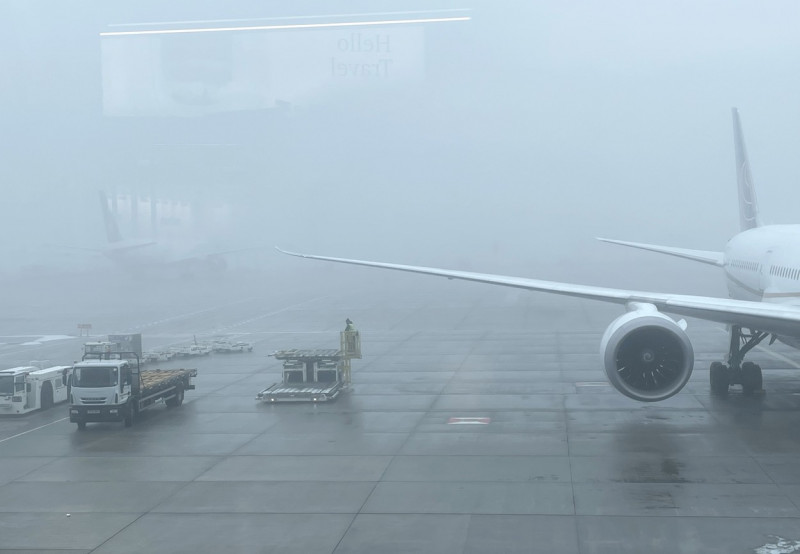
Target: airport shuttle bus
28 388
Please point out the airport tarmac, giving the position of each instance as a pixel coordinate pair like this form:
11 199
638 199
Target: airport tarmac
478 421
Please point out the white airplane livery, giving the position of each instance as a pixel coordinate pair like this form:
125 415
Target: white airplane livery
646 354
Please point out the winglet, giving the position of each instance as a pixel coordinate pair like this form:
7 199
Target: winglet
748 204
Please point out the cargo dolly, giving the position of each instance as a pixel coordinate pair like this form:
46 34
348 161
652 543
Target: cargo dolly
315 375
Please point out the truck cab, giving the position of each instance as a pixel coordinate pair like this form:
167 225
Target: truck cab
100 390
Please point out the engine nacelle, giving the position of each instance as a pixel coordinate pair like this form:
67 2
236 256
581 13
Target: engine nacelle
647 355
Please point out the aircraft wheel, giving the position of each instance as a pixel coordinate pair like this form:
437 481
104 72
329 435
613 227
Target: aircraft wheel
81 425
718 377
752 380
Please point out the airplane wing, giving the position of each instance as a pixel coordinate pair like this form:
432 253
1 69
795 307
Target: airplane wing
704 256
767 317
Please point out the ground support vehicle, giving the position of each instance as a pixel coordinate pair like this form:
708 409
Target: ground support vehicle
131 343
229 347
308 376
190 350
156 356
315 375
117 390
28 388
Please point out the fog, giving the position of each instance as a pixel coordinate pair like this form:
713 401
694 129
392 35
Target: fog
504 143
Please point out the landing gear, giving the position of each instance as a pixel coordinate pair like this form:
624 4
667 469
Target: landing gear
719 379
738 372
751 378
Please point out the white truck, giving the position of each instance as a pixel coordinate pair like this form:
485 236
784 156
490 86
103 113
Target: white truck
25 389
117 390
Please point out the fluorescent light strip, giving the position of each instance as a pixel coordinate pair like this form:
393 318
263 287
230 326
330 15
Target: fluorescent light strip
281 27
296 17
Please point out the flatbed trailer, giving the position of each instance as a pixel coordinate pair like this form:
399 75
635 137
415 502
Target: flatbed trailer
163 384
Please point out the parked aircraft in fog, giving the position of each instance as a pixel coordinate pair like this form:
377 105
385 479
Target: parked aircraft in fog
647 355
148 256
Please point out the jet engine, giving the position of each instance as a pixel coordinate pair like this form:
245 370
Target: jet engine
647 355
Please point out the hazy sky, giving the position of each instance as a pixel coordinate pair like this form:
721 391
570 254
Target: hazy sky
523 134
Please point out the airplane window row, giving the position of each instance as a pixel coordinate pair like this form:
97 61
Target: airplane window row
749 266
783 271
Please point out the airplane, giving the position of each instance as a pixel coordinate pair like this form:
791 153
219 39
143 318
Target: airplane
118 250
148 256
647 355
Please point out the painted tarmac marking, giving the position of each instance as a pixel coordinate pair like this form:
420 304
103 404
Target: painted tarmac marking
469 421
269 314
32 430
219 330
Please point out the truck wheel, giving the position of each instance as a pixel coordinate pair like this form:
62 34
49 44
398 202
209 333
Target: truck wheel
81 426
176 400
129 415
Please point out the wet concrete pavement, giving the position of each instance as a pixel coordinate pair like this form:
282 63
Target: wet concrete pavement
549 458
